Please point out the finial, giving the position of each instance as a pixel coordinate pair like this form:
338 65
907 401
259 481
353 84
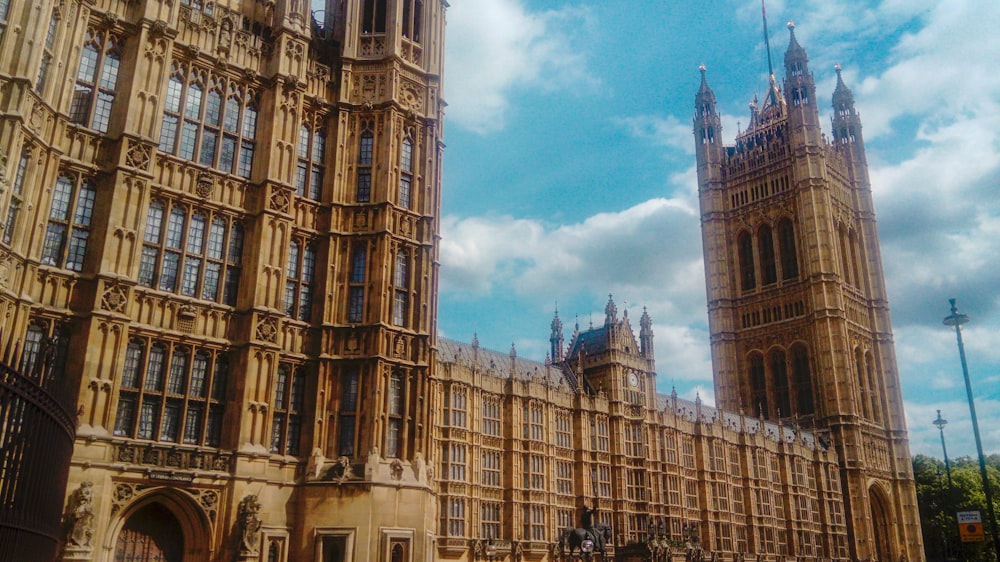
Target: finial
791 26
702 68
475 339
513 351
837 67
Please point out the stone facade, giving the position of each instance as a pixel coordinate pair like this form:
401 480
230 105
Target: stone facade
798 312
225 214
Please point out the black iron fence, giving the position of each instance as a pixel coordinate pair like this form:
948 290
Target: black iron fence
37 429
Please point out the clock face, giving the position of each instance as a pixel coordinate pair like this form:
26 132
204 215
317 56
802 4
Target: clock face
633 379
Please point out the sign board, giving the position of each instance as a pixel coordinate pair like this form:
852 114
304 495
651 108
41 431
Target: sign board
970 526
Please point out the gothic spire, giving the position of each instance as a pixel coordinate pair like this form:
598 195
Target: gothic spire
646 334
610 312
556 338
843 99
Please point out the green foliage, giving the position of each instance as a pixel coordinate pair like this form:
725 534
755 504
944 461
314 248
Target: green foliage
938 505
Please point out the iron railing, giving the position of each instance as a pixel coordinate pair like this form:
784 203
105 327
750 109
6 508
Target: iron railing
37 429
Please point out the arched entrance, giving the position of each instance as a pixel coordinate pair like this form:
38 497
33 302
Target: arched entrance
151 534
882 531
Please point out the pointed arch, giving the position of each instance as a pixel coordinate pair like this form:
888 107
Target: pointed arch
802 375
880 511
779 379
786 243
748 279
765 248
164 514
758 383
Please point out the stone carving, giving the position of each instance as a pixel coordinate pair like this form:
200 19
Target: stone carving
138 155
396 470
249 525
267 330
342 470
81 516
122 494
279 201
115 298
205 184
411 97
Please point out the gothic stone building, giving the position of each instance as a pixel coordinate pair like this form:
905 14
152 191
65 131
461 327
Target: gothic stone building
223 218
224 214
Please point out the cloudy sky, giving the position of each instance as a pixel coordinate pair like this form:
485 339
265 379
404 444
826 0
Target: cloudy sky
569 173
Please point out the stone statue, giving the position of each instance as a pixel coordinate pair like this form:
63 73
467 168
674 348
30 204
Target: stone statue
81 515
249 525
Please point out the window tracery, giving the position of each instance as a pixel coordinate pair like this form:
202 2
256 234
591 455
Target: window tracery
67 234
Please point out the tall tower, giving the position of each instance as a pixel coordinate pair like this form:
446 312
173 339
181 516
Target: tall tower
222 218
798 312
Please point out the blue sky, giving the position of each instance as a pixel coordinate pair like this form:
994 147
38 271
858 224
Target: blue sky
569 173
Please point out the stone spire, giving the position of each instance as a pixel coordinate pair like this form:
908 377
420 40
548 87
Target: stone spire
646 334
556 338
610 312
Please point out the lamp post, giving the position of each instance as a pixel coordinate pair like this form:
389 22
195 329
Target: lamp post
940 423
949 508
955 319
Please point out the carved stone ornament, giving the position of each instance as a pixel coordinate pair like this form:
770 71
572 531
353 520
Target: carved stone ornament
138 155
249 525
122 494
81 516
279 201
341 470
396 470
267 330
205 184
115 298
411 97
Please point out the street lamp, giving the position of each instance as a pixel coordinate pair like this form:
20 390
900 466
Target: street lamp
955 319
587 548
491 550
940 423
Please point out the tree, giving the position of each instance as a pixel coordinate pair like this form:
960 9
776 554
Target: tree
938 505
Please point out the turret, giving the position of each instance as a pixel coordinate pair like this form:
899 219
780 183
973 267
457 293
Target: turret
646 335
610 312
846 121
556 339
800 89
707 124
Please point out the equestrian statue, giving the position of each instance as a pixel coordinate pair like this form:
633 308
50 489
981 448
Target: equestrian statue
598 533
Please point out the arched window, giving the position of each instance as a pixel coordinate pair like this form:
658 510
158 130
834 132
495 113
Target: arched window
873 388
779 374
397 397
356 292
747 278
864 398
366 149
765 245
412 19
803 380
758 385
406 173
786 241
373 17
401 288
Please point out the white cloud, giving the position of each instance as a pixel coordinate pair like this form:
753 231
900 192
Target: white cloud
496 46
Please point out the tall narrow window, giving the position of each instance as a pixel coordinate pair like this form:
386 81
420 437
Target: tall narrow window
209 120
288 404
412 19
406 173
373 16
300 273
786 240
366 148
747 278
873 388
765 245
67 232
309 172
401 288
803 380
16 196
779 374
862 381
393 444
183 252
845 258
46 63
96 80
356 290
348 412
758 385
175 400
4 9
